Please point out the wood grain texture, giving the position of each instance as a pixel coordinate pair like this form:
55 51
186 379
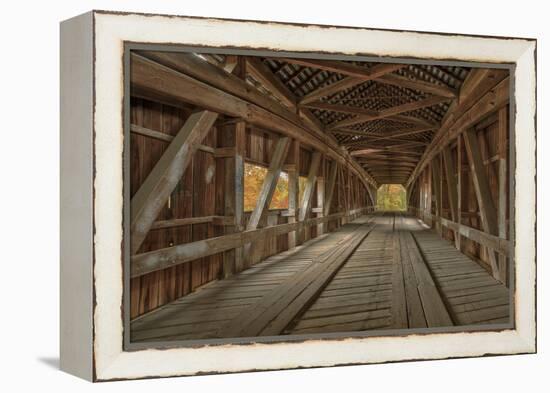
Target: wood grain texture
379 272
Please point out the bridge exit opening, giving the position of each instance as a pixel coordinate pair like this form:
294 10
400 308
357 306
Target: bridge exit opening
391 197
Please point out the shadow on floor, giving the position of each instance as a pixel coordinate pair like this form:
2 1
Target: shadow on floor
52 362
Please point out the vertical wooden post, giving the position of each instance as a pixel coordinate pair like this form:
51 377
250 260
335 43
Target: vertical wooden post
502 188
436 181
349 192
293 189
321 195
231 186
485 202
429 191
344 186
240 144
330 191
440 164
450 173
459 190
305 204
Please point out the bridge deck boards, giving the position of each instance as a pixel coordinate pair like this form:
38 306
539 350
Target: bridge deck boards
398 274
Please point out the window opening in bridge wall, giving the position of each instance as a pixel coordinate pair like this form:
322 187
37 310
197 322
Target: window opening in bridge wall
391 197
254 176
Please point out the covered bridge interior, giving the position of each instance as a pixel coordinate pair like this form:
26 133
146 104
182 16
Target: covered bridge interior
208 263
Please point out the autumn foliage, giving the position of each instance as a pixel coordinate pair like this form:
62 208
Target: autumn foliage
391 197
254 176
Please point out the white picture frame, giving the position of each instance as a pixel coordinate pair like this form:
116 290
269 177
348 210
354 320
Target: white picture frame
92 145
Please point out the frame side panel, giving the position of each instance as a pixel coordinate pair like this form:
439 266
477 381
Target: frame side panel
76 193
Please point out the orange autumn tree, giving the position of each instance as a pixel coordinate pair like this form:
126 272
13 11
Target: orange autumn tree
254 176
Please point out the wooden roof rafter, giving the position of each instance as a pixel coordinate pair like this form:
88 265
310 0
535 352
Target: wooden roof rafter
397 110
482 93
184 79
382 72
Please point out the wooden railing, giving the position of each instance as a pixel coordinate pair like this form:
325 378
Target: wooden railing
498 244
183 253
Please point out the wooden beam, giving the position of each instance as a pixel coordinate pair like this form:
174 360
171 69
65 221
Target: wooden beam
340 67
483 238
426 87
260 72
330 89
154 79
380 73
450 171
390 135
482 190
479 98
458 239
161 136
305 204
183 253
179 222
271 83
452 192
233 195
151 197
192 69
366 112
342 109
321 185
502 188
330 187
253 252
293 190
270 182
436 176
396 110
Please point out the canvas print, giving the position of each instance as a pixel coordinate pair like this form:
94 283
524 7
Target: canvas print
281 196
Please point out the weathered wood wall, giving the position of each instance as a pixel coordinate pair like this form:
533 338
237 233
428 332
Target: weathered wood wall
201 197
492 135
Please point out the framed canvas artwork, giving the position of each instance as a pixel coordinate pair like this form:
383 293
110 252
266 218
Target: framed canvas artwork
244 195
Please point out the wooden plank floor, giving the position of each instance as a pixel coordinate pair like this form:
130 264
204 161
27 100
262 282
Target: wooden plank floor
472 296
359 296
204 313
378 272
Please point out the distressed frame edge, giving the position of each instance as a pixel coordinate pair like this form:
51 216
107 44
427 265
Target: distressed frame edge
76 196
525 340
